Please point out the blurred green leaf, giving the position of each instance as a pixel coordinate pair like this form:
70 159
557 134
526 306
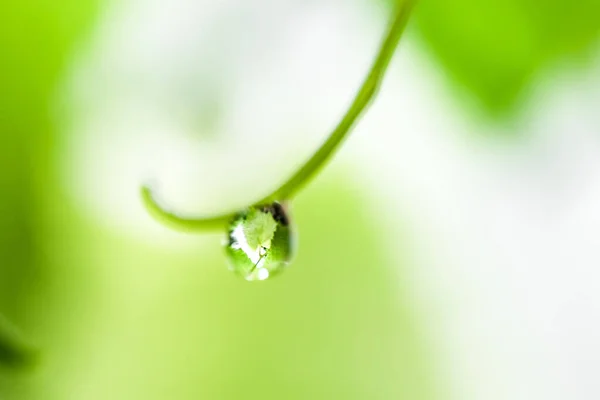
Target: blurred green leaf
495 49
14 351
36 37
259 227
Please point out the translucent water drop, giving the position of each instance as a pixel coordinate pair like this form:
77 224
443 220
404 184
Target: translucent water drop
259 242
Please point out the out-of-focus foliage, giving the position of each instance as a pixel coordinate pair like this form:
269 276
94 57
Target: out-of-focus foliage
14 352
35 40
495 49
157 324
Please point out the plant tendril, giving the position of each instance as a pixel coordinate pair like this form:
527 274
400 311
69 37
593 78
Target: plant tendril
180 222
363 98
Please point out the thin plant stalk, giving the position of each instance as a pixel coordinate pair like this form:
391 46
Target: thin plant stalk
309 169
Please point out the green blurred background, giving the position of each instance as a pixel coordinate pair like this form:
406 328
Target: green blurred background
96 305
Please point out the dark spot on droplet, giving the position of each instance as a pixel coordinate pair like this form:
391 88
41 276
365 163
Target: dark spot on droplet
278 213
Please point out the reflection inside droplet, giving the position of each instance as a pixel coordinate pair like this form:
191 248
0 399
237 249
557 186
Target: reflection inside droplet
259 242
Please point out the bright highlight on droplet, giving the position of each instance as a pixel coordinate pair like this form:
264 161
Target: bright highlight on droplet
263 274
259 242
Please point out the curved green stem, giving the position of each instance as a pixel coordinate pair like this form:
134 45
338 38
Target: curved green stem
361 101
181 222
363 98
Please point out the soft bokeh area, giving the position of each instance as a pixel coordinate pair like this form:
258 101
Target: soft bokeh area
450 250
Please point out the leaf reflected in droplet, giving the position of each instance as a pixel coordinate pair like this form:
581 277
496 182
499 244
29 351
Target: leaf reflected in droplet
259 243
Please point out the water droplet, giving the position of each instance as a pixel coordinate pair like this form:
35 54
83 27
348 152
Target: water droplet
259 242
